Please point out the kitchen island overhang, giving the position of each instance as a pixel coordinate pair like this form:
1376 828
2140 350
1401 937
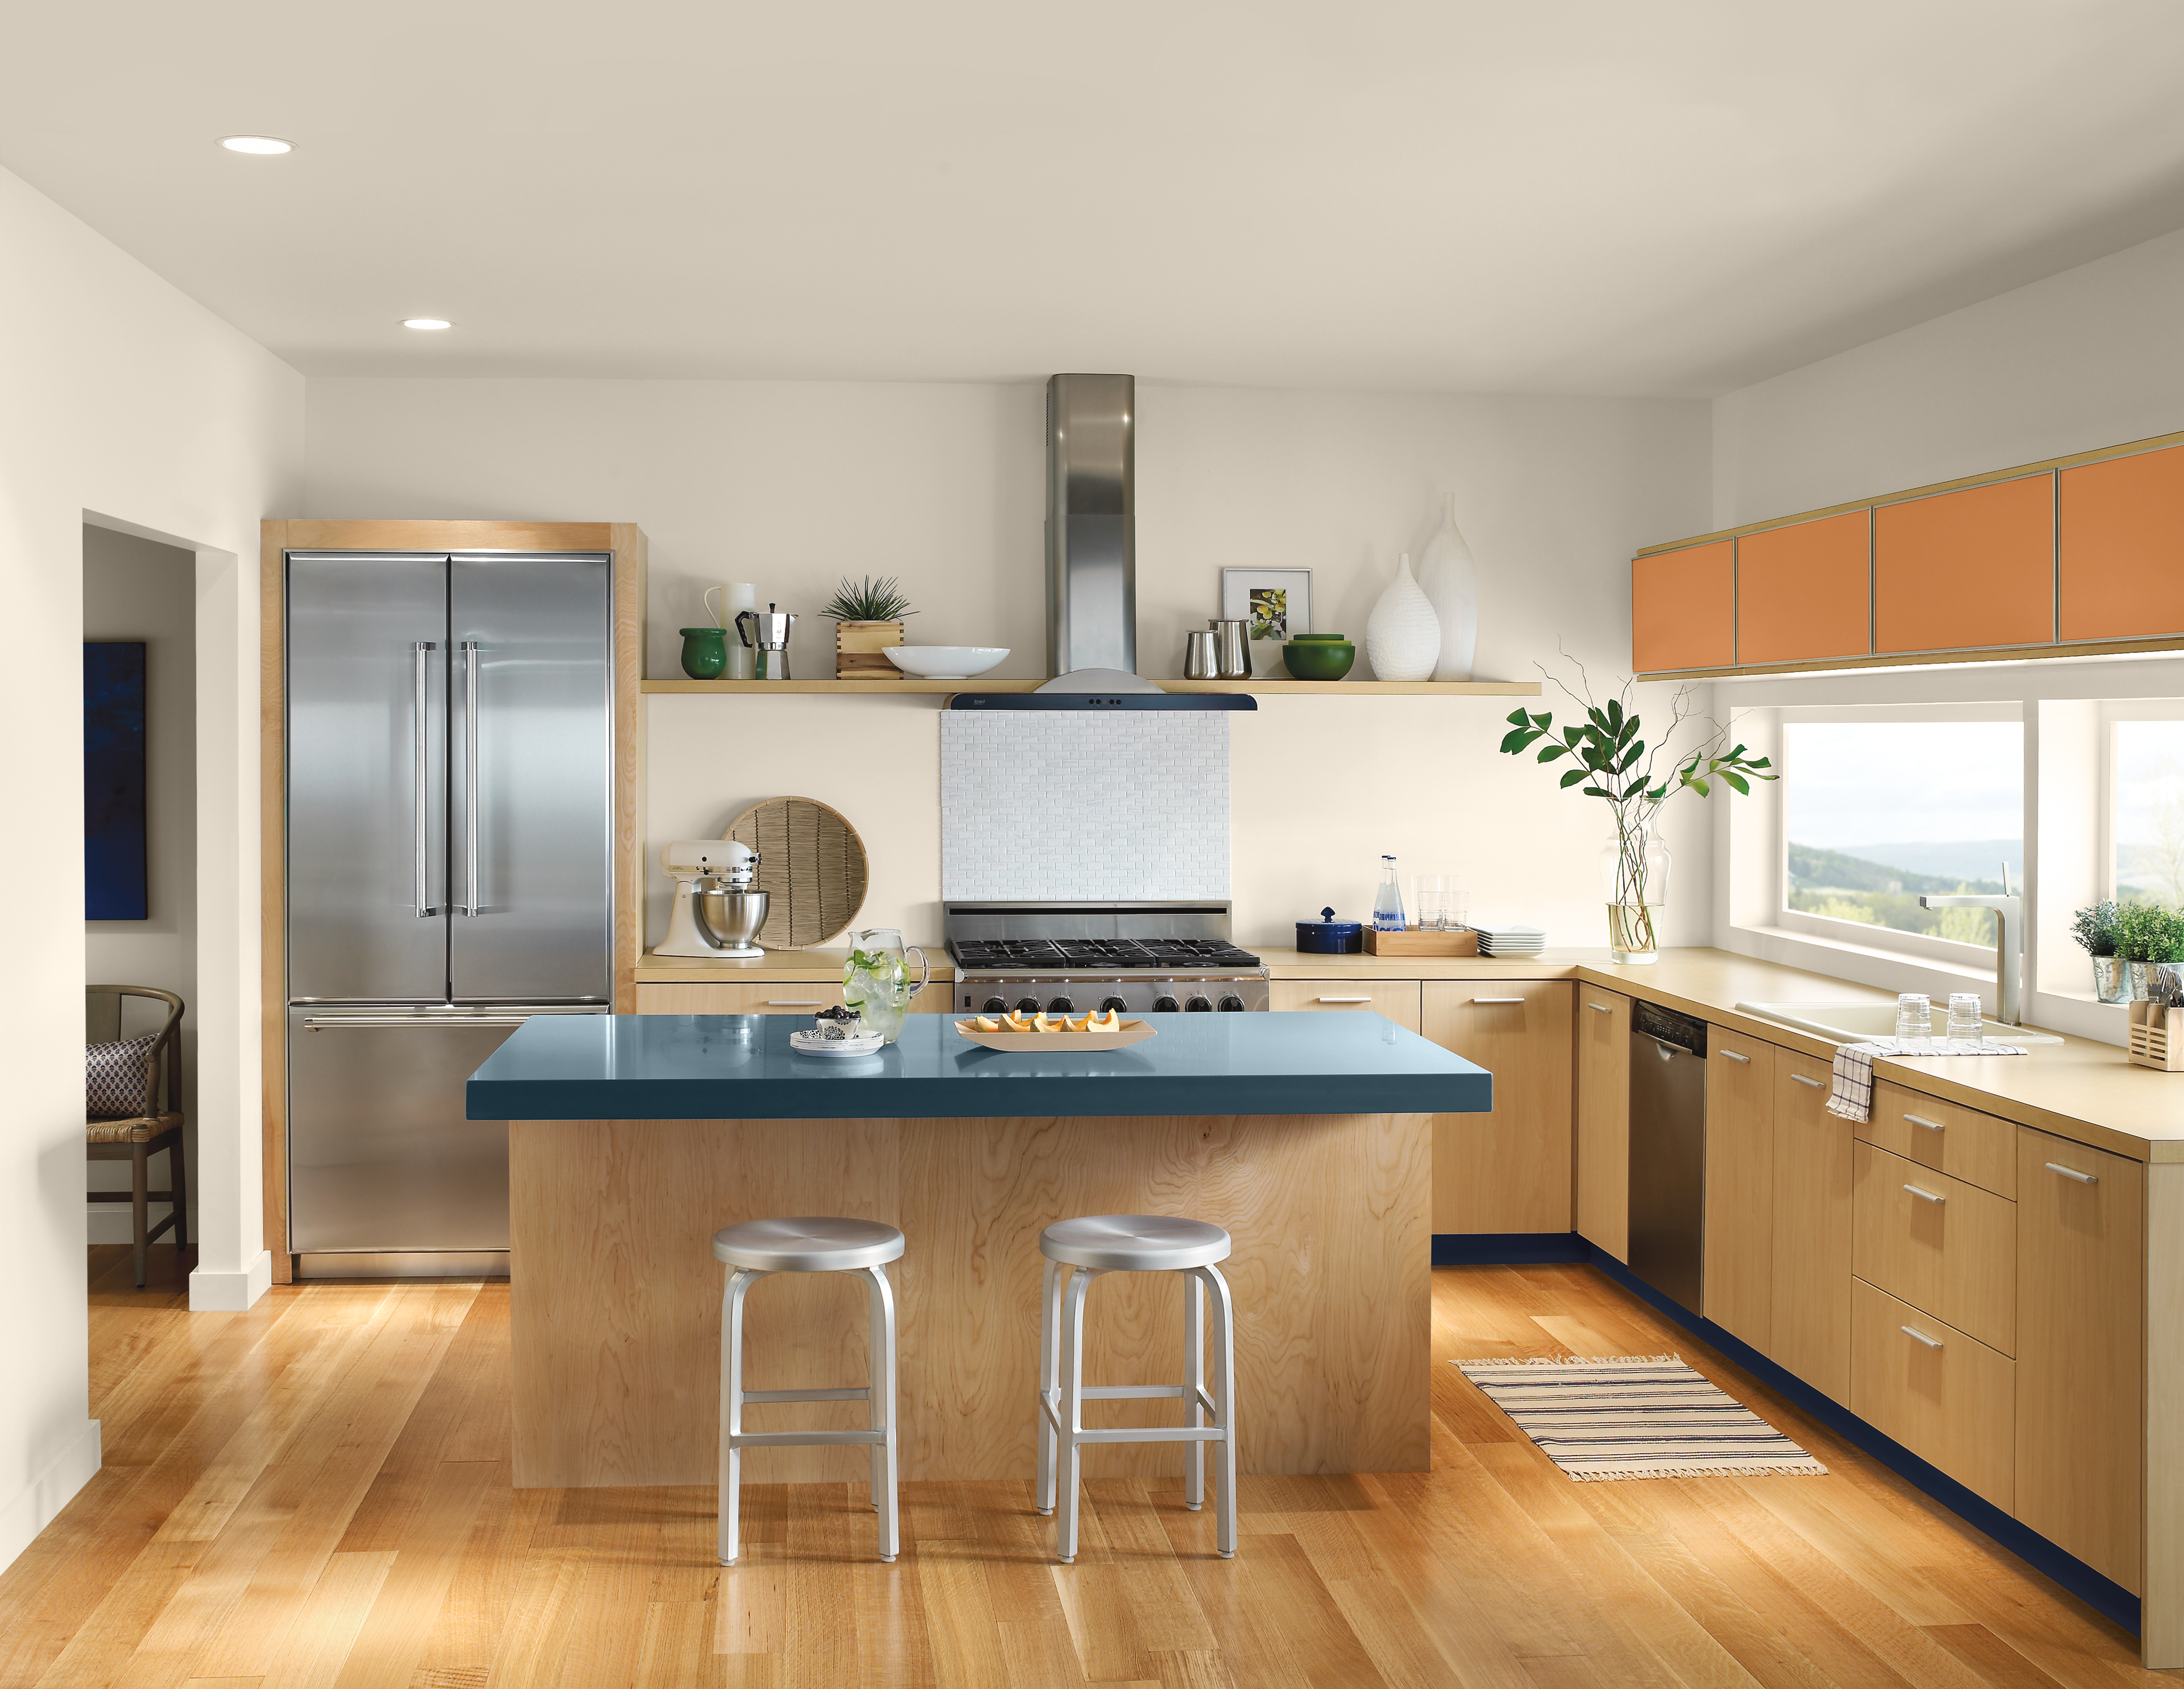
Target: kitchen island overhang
633 1138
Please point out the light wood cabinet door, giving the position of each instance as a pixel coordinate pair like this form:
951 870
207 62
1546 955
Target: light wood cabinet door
1805 591
2121 547
1966 571
742 997
2080 1305
1947 1248
1603 1119
1812 1228
1507 1171
1397 999
1740 1185
1946 1397
1683 609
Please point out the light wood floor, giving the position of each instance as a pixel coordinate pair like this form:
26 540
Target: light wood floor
316 1492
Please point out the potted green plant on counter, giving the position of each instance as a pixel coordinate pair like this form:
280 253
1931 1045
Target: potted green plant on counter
2095 930
1612 761
868 618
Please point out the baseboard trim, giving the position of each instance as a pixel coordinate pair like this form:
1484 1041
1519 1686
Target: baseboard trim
2104 1596
51 1489
1507 1249
212 1292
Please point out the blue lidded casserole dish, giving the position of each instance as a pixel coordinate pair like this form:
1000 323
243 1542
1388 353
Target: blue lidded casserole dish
1327 936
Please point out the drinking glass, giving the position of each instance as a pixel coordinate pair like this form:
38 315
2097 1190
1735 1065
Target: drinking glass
875 980
1429 896
1964 1014
1914 1015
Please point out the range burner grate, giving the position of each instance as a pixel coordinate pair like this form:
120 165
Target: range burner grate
1100 953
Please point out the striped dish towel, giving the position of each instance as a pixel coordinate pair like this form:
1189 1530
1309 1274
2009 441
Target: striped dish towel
1852 1096
1599 1417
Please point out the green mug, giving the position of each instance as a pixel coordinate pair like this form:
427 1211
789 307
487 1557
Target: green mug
705 653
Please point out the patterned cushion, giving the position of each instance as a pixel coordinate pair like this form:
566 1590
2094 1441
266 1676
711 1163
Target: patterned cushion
116 1078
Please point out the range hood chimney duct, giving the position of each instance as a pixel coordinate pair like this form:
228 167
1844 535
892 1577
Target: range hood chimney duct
1091 523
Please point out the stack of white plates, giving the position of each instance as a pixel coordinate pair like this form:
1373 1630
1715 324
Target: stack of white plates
1511 941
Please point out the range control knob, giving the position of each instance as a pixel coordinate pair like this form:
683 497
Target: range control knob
993 1005
1027 1005
1166 1005
1231 1005
1115 1005
1198 1005
1061 1005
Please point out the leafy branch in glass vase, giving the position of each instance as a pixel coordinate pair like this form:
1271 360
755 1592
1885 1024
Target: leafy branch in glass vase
1613 760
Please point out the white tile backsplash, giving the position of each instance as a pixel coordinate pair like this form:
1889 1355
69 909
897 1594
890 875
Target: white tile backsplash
1053 804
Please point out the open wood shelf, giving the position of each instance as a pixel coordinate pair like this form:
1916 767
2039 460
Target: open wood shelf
1415 688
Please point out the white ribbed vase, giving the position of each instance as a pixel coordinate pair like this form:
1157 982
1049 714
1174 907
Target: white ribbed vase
1449 578
1402 636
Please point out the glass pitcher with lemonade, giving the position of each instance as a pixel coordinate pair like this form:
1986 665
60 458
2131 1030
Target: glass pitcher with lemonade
875 980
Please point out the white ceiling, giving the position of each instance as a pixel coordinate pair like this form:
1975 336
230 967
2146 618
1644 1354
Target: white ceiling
1663 197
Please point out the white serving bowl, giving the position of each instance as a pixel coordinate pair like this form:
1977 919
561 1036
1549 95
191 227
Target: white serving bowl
945 662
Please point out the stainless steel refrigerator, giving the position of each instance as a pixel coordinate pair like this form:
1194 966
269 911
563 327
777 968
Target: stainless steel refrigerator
450 787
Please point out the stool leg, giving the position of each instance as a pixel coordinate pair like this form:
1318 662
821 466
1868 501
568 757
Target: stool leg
740 1280
1194 1344
1073 1411
1050 1369
1224 1404
883 1387
178 1181
140 1181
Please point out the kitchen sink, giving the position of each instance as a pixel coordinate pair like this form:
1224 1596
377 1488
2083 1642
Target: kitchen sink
1852 1023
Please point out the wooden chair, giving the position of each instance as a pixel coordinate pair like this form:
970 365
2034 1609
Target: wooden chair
137 1140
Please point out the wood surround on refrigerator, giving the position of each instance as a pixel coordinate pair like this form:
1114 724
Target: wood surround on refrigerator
276 538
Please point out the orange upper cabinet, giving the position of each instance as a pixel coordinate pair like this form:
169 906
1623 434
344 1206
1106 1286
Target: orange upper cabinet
2123 547
1683 609
1961 571
1805 591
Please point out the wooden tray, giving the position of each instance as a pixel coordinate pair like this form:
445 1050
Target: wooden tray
2157 1038
1418 942
1132 1032
811 863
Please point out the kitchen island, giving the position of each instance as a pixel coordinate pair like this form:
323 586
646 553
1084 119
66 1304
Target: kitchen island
632 1138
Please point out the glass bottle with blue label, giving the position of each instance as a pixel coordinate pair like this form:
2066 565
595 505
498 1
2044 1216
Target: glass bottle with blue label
1388 906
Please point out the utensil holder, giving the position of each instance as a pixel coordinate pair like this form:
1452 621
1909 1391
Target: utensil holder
2157 1038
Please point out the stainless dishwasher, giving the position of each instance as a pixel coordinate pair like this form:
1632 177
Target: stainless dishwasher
1668 1152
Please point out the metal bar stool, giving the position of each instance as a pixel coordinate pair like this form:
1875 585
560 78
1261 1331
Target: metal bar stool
755 1248
1134 1243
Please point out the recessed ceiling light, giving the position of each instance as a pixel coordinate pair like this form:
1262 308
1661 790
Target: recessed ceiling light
255 143
426 322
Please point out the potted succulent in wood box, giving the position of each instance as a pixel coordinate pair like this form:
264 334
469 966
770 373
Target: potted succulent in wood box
2095 930
868 618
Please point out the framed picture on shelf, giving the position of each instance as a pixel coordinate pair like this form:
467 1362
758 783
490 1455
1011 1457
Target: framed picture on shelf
1277 603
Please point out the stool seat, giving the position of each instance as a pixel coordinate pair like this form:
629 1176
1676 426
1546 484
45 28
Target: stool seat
809 1244
1134 1243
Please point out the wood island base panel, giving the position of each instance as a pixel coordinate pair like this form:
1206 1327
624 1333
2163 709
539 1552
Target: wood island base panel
616 1296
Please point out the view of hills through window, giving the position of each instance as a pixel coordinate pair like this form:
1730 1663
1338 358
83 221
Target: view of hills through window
2150 812
1877 814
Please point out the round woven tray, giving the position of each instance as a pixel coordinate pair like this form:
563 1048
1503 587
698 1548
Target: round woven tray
812 866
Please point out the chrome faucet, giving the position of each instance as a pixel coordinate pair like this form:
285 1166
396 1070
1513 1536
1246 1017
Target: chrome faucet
2010 920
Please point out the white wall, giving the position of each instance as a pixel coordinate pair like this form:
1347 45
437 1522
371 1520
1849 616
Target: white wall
791 485
128 404
136 588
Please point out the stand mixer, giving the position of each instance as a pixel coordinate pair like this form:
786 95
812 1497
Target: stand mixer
718 907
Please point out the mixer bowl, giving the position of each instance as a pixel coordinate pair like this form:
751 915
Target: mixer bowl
732 919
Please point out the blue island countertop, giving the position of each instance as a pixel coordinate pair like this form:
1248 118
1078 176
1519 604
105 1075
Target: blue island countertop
740 1067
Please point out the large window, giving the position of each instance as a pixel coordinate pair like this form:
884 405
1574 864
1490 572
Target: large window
2146 809
1877 813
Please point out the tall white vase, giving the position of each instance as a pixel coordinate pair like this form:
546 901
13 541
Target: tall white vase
1450 580
1402 636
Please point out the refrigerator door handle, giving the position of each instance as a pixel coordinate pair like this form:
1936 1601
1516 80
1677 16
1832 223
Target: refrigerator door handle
471 819
421 756
382 1023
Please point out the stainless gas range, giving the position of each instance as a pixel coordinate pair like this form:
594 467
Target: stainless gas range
1140 958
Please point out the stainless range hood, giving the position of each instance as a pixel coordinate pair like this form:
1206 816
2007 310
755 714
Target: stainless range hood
1092 560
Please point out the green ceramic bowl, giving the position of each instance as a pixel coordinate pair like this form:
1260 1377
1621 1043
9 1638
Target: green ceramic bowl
1318 656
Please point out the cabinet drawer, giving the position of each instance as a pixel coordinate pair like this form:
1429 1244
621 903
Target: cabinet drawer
1397 998
1947 1248
1980 1148
741 997
1946 1397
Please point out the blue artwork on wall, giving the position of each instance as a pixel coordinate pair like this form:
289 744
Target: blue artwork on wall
114 847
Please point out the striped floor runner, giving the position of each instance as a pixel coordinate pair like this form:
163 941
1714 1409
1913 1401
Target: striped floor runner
1637 1416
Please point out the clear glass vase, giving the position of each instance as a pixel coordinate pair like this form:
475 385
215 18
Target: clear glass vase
1633 877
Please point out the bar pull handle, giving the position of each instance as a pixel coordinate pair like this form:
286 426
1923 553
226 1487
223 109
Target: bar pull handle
1497 999
1807 1079
1930 1125
1342 999
471 819
368 1022
2073 1172
421 755
1731 1056
1602 1008
1919 1336
1924 1196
